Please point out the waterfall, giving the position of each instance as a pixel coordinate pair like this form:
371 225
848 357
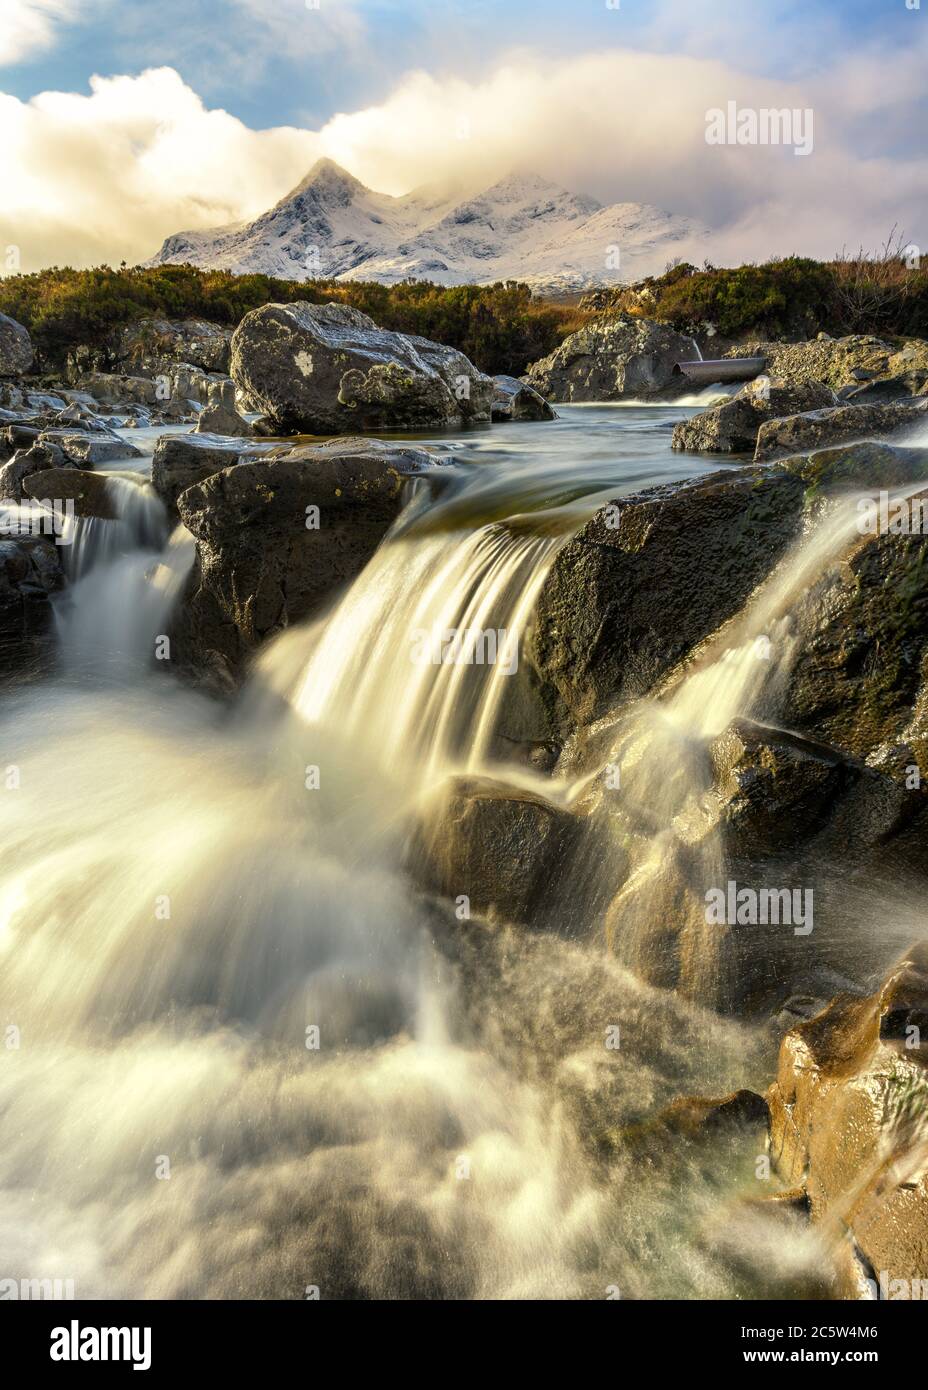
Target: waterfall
254 1060
126 576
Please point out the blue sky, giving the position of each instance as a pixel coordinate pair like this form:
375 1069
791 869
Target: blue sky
277 62
124 121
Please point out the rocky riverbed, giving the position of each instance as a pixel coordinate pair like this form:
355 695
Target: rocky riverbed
553 748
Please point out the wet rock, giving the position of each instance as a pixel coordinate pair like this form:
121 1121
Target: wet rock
860 675
795 434
848 1115
89 493
704 1115
220 415
613 358
865 464
16 353
180 460
732 427
329 369
30 573
501 848
265 558
649 577
514 400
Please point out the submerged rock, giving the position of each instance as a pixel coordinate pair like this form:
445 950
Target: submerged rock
515 400
16 353
849 1116
840 424
732 427
329 369
277 537
611 359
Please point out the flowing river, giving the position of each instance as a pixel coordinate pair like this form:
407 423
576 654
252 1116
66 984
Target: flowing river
245 1066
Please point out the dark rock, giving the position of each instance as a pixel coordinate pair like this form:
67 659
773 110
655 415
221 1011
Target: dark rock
30 573
260 565
328 369
89 492
649 577
502 848
865 464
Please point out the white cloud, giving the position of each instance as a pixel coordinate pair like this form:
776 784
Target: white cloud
27 26
108 175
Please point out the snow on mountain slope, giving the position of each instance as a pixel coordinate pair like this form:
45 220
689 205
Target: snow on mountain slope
522 228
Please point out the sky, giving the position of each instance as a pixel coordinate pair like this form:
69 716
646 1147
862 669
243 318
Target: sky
122 121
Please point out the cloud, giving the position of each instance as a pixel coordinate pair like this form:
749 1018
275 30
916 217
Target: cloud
28 26
108 175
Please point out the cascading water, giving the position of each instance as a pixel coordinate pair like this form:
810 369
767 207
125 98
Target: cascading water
244 1068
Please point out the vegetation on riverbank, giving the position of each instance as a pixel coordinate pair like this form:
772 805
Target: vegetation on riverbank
881 293
501 328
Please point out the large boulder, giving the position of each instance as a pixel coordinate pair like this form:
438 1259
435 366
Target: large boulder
180 460
277 538
329 369
652 575
515 400
731 428
848 1114
840 424
501 848
612 359
15 348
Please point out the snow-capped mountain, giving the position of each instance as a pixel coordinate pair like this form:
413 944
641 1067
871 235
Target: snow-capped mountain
522 228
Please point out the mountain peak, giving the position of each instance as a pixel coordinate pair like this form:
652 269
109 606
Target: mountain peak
523 227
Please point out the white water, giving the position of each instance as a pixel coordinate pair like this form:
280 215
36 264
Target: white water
178 909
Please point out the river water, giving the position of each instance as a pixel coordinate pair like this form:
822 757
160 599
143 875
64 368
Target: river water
239 1060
